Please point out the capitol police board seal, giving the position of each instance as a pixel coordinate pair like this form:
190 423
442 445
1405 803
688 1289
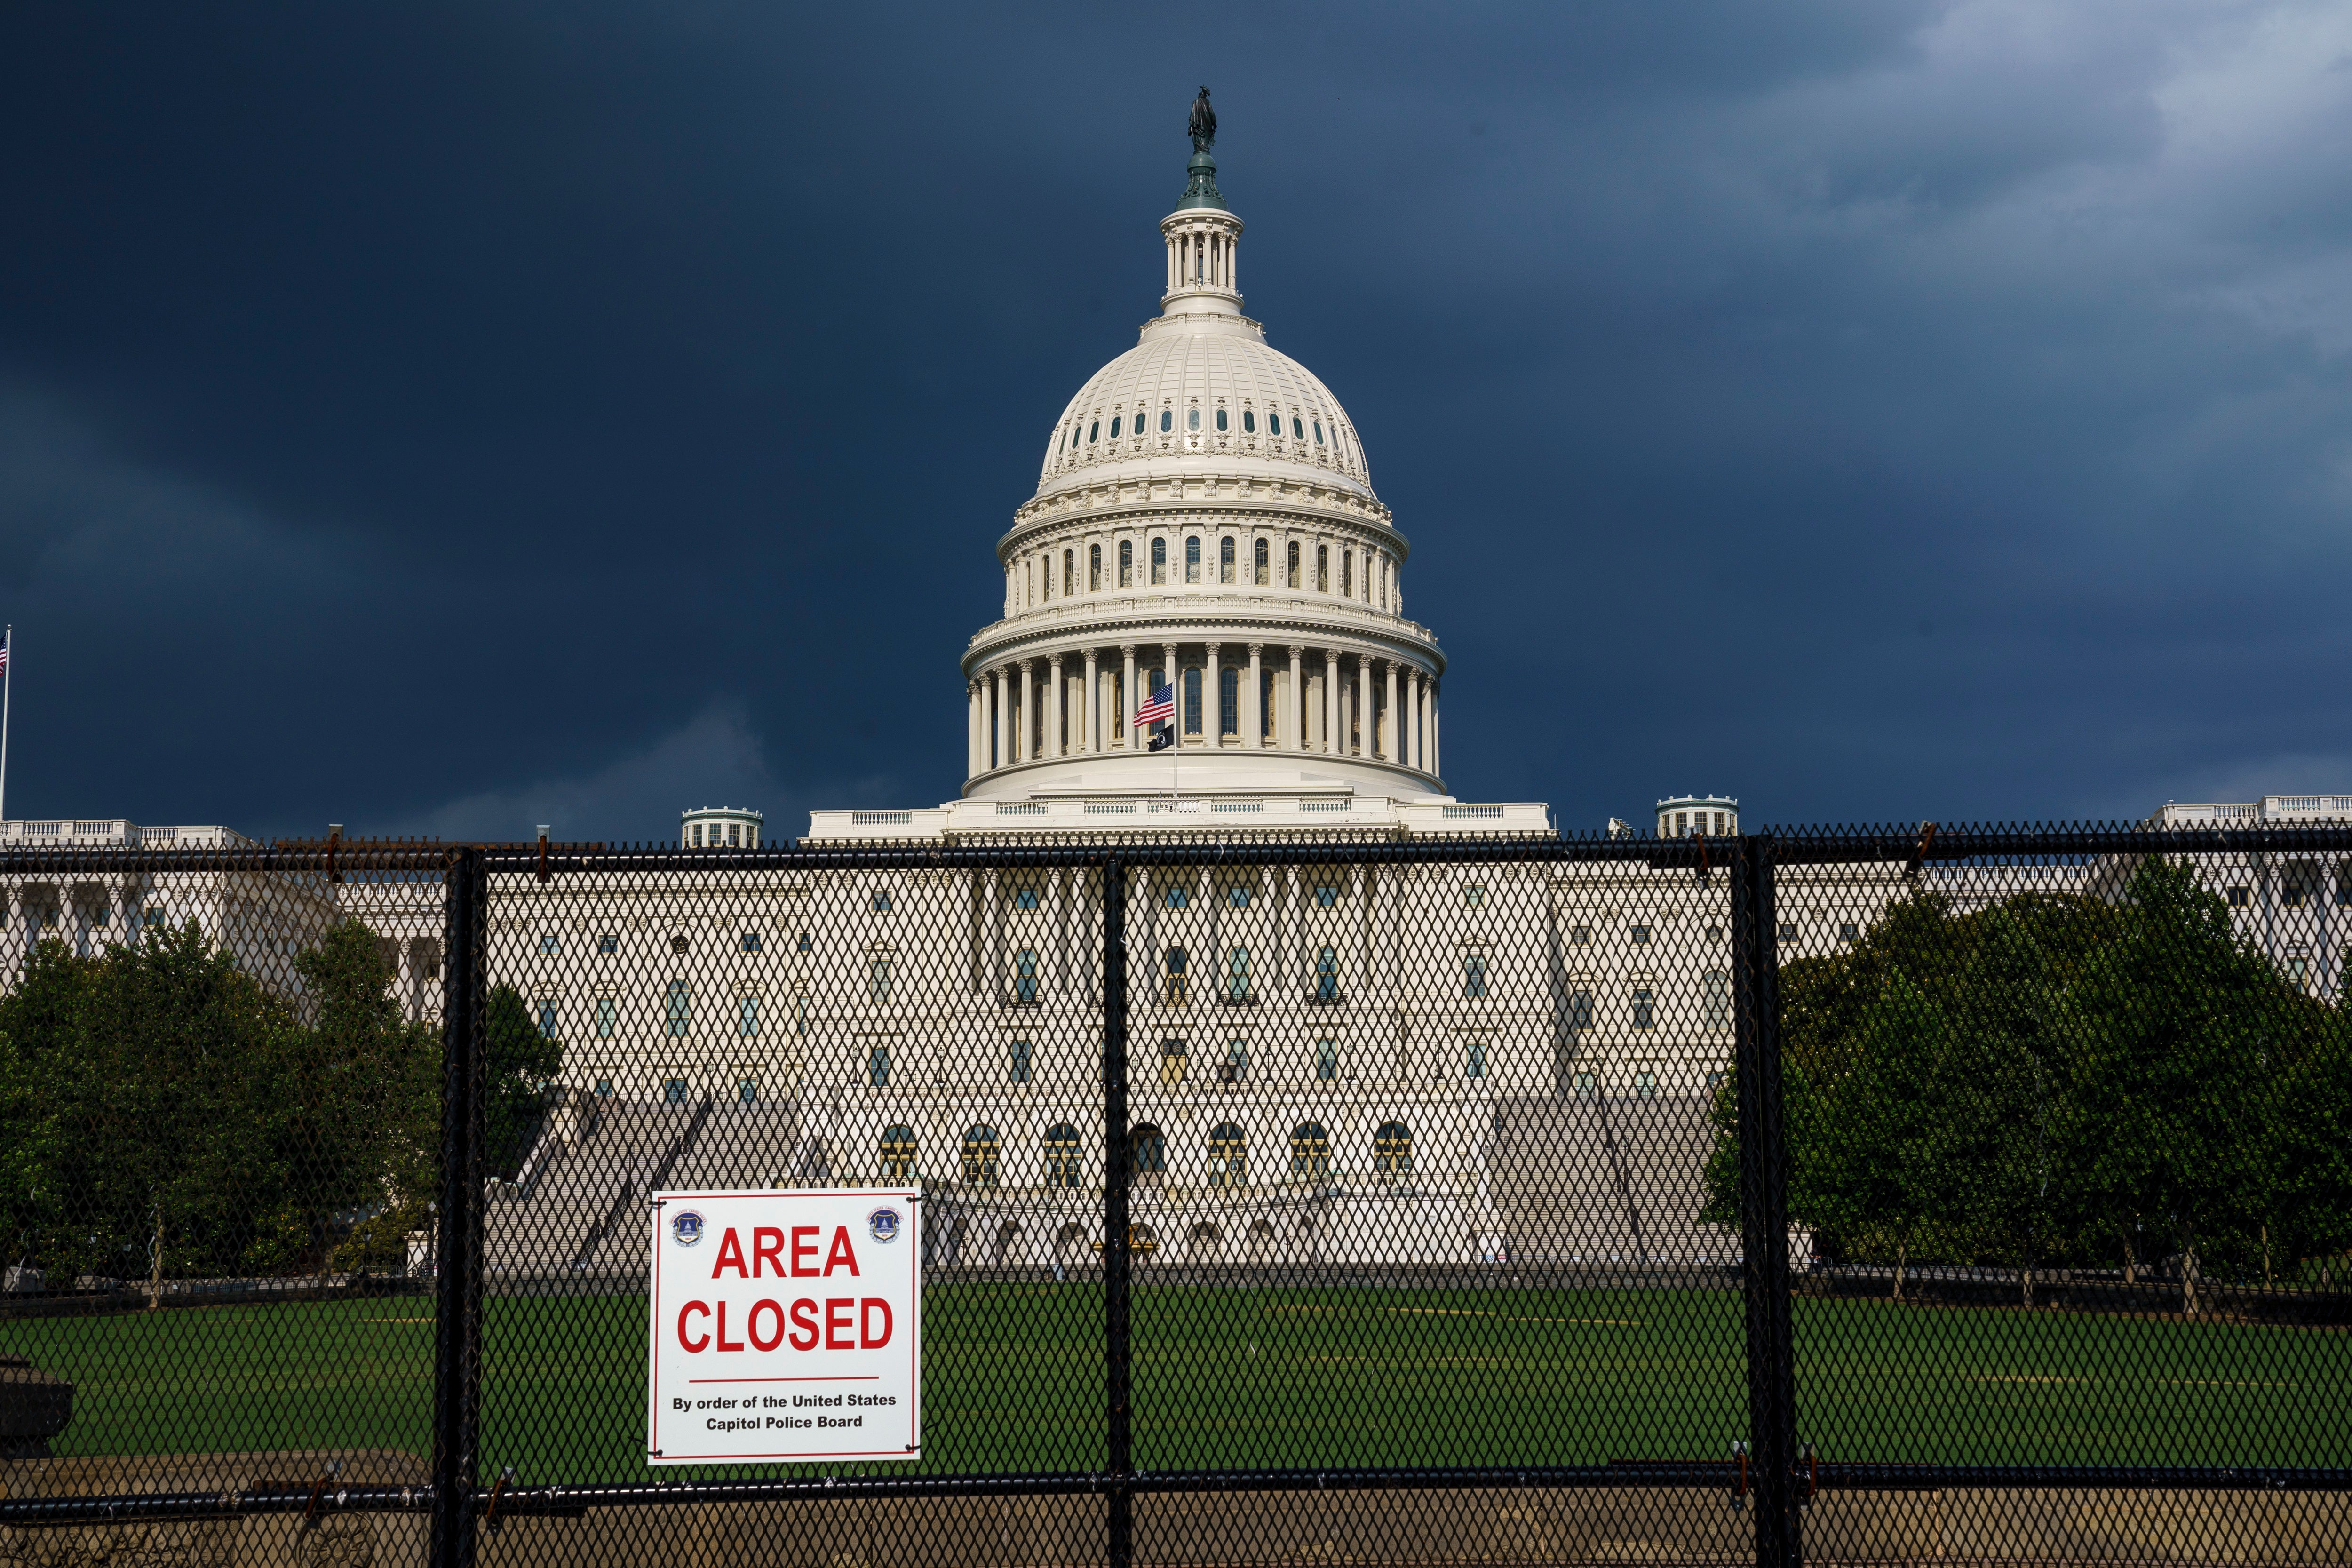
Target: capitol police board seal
787 1326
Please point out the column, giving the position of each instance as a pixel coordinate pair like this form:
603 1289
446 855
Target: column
1212 688
971 728
1254 705
1391 743
1091 741
1054 705
1025 722
1126 711
1436 734
1175 678
1364 703
1333 737
1294 713
1412 752
1000 725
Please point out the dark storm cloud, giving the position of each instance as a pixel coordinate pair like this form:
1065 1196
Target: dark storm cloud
448 420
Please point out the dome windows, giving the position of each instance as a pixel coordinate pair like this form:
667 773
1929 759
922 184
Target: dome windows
1167 420
1225 559
1261 563
1318 432
1093 430
1297 430
1220 420
1114 427
1192 419
1159 561
1126 563
1249 424
1294 563
1192 559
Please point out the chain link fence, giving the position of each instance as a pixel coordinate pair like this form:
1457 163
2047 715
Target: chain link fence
1842 1197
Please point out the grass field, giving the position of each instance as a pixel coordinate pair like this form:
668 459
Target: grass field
1270 1377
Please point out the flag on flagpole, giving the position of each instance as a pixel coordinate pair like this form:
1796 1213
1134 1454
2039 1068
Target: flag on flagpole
1159 709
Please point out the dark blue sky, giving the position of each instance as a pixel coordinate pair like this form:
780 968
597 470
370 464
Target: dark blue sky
449 420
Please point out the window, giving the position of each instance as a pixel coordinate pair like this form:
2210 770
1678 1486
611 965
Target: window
1177 898
1025 897
1020 1064
2239 897
1236 1066
1788 930
1192 558
1846 932
1327 1060
1298 431
1229 700
1311 1150
1318 432
1644 1007
1221 418
1327 895
1292 568
1237 897
2298 968
1645 1086
1093 568
1580 936
1474 1063
1474 894
1192 700
1171 1062
674 1092
1125 562
548 1013
1327 976
749 941
1070 572
1580 1009
1174 991
1093 430
804 941
1167 420
1261 553
881 902
1192 419
1714 997
877 978
878 1071
677 1007
1393 1150
1146 1151
1159 560
1347 573
1228 1156
548 941
604 1010
1322 568
603 1088
1249 422
979 1156
1641 935
734 835
697 832
1226 559
1114 427
1024 976
747 1090
747 1017
1061 1155
1474 975
152 917
897 1154
1237 975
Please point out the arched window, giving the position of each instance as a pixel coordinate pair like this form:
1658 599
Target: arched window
1249 422
1159 560
1347 573
1237 975
1025 974
1293 572
1175 990
1147 1150
1192 700
1061 1155
1045 588
1192 419
1126 562
1474 975
979 1156
1074 438
1318 432
1070 572
1327 976
1192 558
1393 1150
897 1154
1226 559
1114 427
1093 430
1093 568
1311 1150
1221 418
1228 1156
1167 420
1322 568
1297 430
678 1007
1715 990
1261 553
1229 700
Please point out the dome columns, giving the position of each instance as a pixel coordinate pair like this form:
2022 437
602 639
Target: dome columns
1200 275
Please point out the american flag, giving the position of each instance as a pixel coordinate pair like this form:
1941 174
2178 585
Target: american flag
1159 709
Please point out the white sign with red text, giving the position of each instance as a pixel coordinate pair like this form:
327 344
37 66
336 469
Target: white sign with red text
786 1325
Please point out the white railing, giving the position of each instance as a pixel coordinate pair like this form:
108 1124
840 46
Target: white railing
881 818
1488 812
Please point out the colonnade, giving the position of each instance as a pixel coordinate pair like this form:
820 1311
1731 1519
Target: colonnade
1060 705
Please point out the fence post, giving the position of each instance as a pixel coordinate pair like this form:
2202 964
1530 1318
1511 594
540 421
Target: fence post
457 1247
1764 1207
1119 1456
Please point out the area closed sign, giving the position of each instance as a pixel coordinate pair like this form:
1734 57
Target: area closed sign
786 1325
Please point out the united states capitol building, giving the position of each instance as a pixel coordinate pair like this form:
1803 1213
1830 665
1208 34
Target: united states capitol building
1428 1065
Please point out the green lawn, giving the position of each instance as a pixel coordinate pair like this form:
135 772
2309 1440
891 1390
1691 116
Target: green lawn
1013 1378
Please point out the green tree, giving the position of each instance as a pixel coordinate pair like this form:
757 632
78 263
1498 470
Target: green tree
523 1062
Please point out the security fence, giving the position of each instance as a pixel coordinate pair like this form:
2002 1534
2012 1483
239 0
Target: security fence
1840 1196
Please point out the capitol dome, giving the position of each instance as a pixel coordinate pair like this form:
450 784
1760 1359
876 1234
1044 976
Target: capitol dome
1204 522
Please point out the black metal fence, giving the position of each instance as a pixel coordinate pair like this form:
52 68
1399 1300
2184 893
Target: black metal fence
1838 1196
